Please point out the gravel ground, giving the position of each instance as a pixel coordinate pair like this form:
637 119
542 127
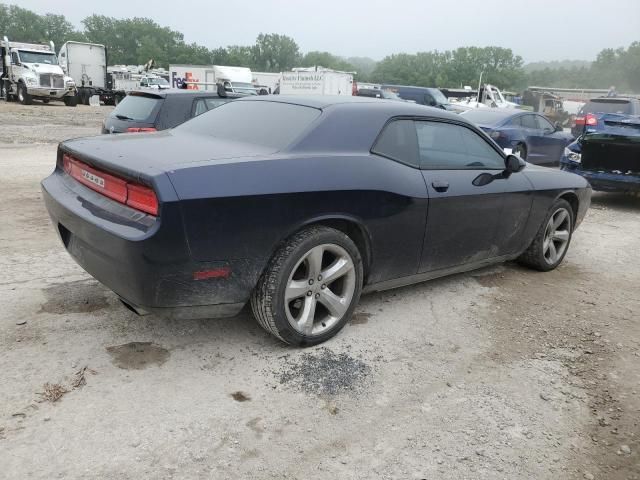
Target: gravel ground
502 373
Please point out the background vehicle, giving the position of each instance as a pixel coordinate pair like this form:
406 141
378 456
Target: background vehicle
29 70
265 82
607 153
594 110
489 96
377 93
548 104
316 81
298 204
209 77
431 97
530 135
146 111
87 64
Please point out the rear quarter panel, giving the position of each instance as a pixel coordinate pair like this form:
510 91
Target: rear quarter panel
245 209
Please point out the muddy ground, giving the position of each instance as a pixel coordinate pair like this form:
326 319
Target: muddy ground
502 373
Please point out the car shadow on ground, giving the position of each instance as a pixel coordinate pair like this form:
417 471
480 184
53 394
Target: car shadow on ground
617 201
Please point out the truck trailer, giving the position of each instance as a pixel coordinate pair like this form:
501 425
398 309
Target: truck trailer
212 77
31 70
316 81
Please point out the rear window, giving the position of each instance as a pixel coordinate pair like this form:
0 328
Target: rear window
137 107
270 124
607 106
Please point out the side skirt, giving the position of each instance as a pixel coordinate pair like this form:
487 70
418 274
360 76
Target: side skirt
423 277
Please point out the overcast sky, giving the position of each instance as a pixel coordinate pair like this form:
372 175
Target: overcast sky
536 30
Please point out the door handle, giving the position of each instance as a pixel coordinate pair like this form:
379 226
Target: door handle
440 185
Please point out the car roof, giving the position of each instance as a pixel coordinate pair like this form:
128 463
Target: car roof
390 107
183 92
413 87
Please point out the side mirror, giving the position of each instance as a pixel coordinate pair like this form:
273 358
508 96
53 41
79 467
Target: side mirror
514 164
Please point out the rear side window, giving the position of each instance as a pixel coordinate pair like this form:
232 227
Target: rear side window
398 141
529 121
608 106
445 146
269 124
205 104
137 107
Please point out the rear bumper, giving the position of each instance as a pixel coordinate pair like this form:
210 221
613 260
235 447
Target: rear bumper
605 181
146 262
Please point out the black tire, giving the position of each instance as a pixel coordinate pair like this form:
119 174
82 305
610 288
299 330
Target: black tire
71 101
535 256
268 298
45 100
86 98
521 151
23 96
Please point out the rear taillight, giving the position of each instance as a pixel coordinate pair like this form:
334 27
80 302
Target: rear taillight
579 121
141 129
590 120
132 194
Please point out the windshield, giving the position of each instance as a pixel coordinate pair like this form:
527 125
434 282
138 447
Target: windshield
158 81
388 94
38 57
270 124
438 96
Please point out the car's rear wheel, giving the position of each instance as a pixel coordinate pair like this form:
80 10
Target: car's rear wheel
310 287
551 243
521 151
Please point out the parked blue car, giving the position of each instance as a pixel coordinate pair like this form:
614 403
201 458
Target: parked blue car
607 154
529 135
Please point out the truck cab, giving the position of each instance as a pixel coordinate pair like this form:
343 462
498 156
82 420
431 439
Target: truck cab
31 71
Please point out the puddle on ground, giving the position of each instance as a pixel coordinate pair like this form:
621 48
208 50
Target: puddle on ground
360 318
74 297
138 355
240 396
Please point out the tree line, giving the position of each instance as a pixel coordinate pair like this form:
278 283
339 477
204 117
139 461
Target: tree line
136 40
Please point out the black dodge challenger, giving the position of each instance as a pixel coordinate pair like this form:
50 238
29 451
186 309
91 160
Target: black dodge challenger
298 205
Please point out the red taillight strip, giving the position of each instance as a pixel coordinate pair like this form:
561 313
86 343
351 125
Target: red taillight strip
132 194
141 129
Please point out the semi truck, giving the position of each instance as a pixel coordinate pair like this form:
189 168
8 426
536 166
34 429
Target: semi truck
87 64
212 77
316 81
31 71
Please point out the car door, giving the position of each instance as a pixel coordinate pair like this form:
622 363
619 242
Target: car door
553 141
463 218
533 135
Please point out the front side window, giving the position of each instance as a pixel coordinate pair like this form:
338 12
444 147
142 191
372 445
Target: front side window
445 146
38 57
544 124
398 141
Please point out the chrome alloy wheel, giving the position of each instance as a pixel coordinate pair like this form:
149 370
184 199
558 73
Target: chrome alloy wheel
320 289
556 236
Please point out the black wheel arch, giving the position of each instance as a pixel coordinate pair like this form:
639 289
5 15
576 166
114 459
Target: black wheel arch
573 200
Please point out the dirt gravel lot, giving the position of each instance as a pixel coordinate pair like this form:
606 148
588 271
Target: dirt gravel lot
502 373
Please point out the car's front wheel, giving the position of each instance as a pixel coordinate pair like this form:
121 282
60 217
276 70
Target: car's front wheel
551 243
310 287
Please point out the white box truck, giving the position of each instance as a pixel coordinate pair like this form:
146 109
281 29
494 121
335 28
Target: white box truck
266 82
212 77
31 70
316 81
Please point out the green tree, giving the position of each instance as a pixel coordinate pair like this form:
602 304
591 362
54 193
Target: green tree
327 60
275 53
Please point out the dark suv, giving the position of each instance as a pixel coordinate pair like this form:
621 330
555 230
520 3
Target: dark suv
588 115
145 111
